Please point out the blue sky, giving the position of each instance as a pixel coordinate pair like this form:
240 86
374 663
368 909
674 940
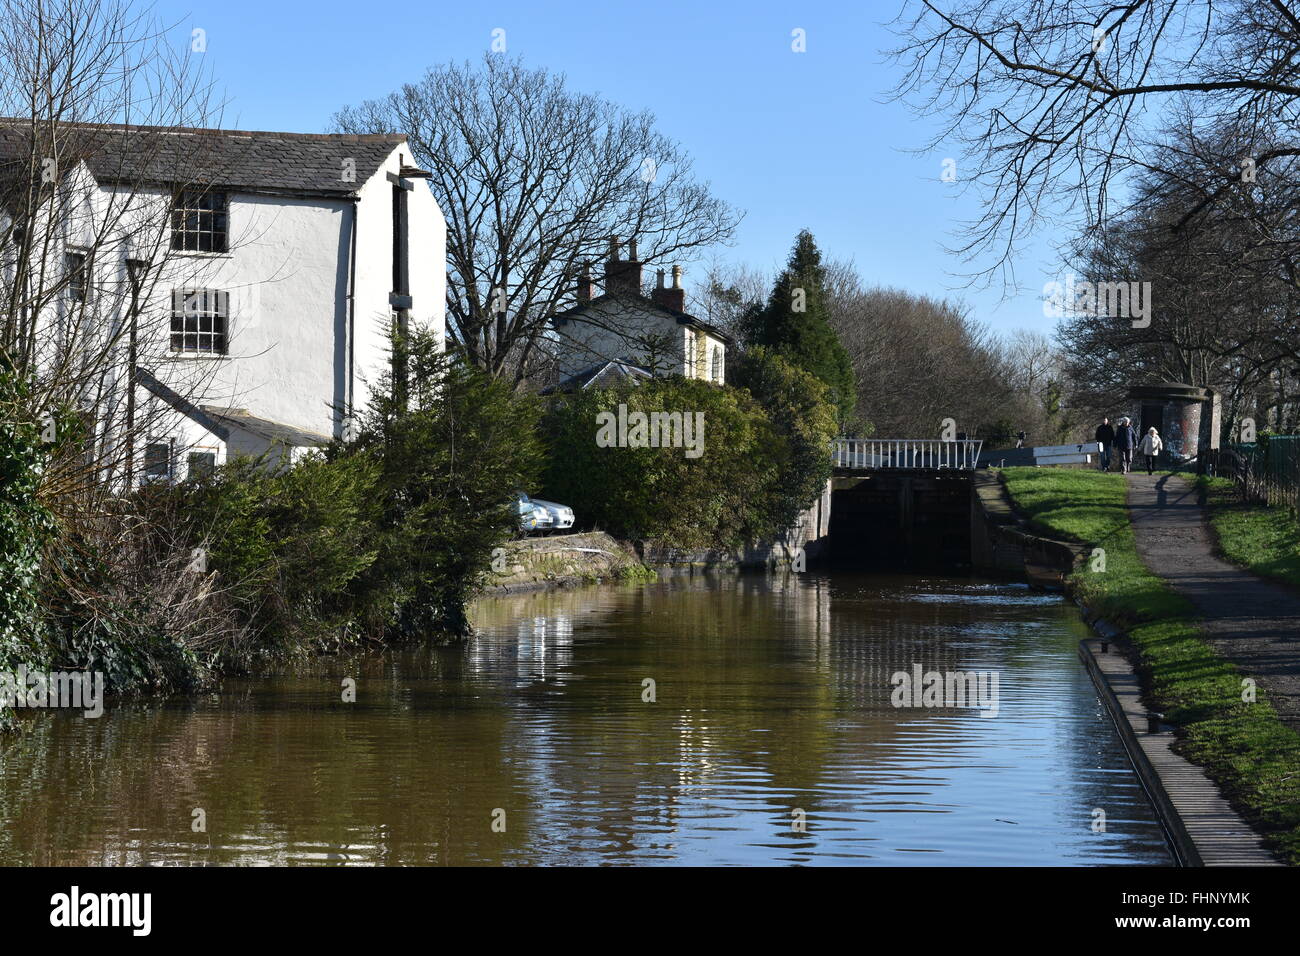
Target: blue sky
795 139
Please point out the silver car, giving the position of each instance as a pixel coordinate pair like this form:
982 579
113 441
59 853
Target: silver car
532 516
561 515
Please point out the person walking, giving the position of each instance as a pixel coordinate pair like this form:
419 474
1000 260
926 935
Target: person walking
1125 443
1151 445
1106 435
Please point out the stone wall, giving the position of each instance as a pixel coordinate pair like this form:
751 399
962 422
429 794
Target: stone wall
810 533
559 560
1002 542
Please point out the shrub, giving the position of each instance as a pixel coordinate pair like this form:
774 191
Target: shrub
131 611
798 405
24 525
385 536
719 499
290 546
452 447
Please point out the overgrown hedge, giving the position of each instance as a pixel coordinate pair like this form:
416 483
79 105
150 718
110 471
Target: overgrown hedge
386 536
383 537
288 547
762 458
451 455
25 526
801 409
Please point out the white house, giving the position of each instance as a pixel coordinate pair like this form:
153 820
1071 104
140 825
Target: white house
623 331
249 286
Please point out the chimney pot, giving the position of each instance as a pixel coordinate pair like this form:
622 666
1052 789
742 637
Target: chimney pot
674 298
586 289
631 251
622 275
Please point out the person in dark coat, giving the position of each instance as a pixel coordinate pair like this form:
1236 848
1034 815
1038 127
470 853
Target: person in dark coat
1126 440
1106 435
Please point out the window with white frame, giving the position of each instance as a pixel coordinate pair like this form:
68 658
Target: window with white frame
200 321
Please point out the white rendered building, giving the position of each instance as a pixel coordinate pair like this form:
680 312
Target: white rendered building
246 281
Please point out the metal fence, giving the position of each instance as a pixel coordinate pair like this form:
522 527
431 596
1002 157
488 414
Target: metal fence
1267 471
870 454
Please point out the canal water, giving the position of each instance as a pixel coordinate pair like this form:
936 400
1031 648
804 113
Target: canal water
692 721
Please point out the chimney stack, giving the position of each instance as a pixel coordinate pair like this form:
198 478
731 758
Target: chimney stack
586 287
622 275
674 298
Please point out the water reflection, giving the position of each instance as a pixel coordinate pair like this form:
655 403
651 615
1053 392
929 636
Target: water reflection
772 704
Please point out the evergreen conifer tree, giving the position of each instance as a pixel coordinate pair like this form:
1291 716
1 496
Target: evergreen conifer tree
795 324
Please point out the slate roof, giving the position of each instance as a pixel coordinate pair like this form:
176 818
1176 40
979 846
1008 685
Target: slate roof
239 160
683 318
601 374
181 403
219 420
275 432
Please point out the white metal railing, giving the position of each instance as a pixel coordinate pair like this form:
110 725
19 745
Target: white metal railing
876 453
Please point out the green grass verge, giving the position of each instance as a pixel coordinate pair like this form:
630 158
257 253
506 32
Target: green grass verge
1262 539
1248 751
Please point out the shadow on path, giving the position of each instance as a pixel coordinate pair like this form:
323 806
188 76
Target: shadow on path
1252 622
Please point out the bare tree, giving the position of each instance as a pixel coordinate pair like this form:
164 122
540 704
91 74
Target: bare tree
87 82
99 105
1057 102
918 361
729 294
1032 361
533 179
1223 304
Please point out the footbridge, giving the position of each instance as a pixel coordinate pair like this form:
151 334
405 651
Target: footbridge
917 454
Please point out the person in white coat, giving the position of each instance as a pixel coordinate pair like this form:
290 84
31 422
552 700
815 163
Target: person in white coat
1151 445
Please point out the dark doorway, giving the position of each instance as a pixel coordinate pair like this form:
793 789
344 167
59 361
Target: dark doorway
1153 416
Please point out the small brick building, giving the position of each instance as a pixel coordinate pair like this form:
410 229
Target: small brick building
1186 416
